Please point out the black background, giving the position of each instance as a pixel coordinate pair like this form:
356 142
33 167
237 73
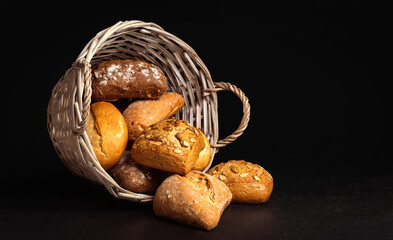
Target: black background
313 72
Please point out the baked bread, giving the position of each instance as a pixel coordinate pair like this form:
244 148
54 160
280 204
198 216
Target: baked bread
145 112
197 199
204 156
170 145
116 79
135 177
107 132
248 182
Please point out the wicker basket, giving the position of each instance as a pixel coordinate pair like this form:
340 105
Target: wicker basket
187 75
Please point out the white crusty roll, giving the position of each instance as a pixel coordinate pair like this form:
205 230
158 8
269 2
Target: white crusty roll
197 199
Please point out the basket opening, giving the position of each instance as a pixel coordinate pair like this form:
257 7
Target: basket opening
182 67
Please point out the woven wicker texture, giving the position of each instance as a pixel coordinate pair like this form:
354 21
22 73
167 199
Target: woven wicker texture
186 73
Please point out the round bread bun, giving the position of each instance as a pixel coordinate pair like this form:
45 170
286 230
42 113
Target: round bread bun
136 178
204 156
249 182
107 132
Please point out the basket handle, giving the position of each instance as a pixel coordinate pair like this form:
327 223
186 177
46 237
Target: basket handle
221 86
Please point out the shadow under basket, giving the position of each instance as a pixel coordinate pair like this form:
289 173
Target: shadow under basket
187 75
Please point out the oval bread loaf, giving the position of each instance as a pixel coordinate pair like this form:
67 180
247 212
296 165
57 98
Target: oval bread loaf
107 132
117 79
145 112
248 182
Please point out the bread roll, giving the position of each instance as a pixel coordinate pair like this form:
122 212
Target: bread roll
107 132
143 113
170 145
116 79
197 199
136 178
248 182
204 156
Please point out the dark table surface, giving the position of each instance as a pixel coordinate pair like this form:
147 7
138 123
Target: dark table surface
313 72
61 206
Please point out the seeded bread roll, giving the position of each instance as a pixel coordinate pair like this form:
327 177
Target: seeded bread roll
135 177
117 79
248 182
143 113
170 145
204 156
197 199
107 132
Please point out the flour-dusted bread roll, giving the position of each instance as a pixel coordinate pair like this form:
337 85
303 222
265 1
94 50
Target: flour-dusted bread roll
197 199
135 177
107 132
170 145
204 156
145 112
117 79
248 182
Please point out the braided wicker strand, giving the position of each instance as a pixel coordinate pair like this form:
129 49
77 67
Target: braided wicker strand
221 86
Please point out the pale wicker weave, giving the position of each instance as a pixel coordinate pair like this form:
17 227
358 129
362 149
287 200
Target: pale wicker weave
71 97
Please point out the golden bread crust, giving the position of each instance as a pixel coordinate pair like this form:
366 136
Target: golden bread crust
248 182
197 199
170 145
107 132
145 112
